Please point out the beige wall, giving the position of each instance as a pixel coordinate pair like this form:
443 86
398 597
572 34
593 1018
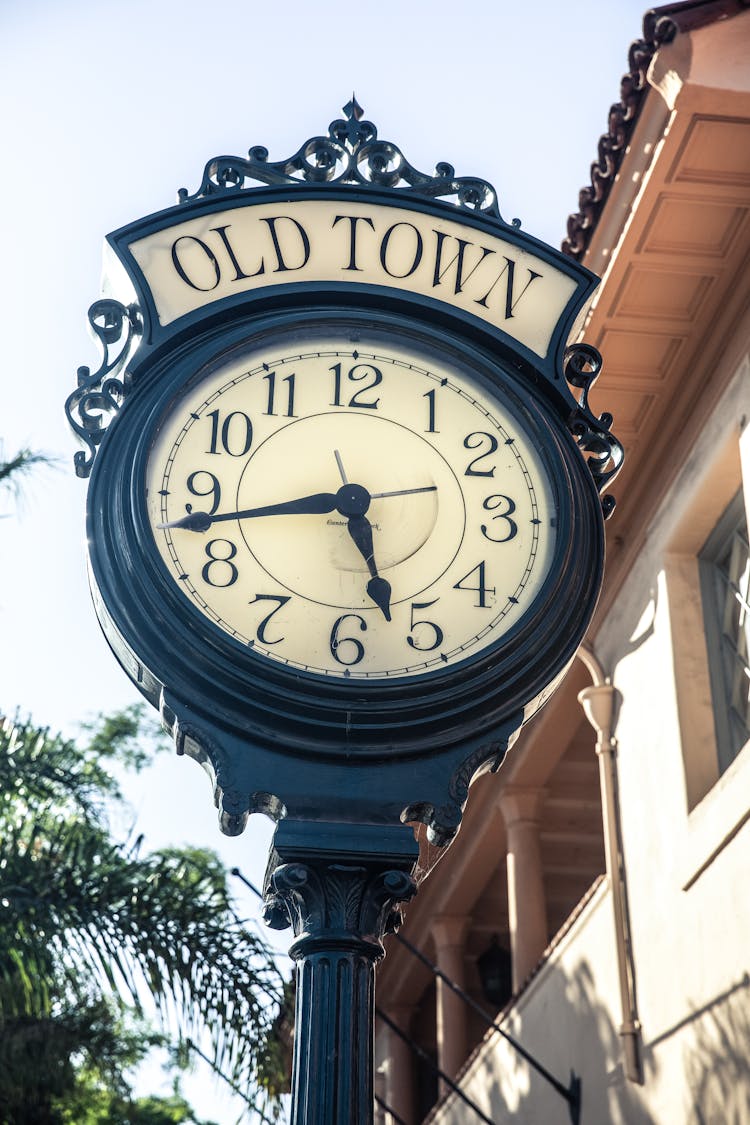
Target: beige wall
686 831
568 1019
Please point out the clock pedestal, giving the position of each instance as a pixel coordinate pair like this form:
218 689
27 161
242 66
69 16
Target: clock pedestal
339 886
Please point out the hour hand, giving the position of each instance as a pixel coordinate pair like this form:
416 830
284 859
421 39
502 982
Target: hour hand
378 588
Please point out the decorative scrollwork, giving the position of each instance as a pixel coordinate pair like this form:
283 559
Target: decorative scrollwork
583 364
350 154
444 820
98 394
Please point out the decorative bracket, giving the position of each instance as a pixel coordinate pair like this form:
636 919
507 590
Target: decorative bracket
350 154
583 365
98 394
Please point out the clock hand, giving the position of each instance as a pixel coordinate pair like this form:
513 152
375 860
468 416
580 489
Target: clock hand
403 492
320 503
340 464
378 588
380 495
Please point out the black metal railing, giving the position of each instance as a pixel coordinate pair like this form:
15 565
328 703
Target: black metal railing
571 1093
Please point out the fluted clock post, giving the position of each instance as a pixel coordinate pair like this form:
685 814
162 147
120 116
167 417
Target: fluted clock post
340 887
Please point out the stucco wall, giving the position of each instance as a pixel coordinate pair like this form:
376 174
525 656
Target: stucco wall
686 838
568 1019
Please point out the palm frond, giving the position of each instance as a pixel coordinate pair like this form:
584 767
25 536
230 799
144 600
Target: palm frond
80 907
20 464
41 769
84 917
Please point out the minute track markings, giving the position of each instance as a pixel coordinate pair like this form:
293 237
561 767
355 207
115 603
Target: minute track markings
394 412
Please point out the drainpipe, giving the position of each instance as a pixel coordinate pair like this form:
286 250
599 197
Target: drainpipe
600 704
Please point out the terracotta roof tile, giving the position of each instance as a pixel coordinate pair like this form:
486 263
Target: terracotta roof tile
660 25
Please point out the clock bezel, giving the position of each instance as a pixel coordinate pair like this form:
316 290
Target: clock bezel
161 639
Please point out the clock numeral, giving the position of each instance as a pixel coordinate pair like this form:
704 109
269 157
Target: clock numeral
437 632
234 435
357 374
337 641
213 490
430 396
220 565
482 589
478 440
281 601
270 378
496 501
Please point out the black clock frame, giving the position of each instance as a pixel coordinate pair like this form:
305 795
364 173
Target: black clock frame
223 692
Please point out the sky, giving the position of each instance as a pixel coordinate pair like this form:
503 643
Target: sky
108 109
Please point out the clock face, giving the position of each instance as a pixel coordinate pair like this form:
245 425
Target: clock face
348 503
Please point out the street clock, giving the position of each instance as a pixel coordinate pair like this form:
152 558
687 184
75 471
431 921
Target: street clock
345 526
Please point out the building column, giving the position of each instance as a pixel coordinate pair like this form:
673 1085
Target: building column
448 934
527 907
400 1067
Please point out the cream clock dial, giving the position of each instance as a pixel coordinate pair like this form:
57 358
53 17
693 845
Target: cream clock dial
350 504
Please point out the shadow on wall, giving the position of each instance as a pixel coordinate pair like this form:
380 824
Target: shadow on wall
563 1023
717 1062
607 1095
638 625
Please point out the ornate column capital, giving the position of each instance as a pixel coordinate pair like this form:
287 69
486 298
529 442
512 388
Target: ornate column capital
321 900
330 881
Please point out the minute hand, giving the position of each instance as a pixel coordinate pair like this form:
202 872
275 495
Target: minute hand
320 503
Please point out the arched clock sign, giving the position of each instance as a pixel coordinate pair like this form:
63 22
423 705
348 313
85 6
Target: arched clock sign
345 525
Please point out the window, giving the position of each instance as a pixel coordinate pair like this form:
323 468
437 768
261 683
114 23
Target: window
725 585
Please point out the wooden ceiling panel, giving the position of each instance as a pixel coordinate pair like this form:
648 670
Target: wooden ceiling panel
648 355
630 409
651 293
716 151
682 226
577 814
566 890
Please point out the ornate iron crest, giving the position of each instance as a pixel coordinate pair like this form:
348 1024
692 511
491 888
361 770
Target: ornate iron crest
350 154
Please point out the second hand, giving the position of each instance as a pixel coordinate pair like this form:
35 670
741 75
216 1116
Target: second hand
381 495
403 492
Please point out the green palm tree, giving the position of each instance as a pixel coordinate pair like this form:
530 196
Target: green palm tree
95 932
90 925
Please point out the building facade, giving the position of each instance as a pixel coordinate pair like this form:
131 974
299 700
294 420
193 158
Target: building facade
605 871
